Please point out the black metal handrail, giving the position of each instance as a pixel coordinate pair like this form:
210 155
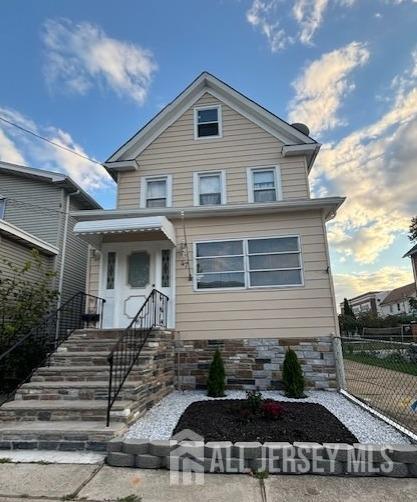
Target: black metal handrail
126 351
33 349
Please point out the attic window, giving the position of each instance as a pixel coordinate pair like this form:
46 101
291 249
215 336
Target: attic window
207 122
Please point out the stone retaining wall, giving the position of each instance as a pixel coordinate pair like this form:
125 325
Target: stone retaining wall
256 362
274 458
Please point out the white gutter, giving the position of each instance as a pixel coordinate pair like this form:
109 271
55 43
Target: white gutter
64 246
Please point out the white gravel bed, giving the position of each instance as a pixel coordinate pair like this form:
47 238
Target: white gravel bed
160 421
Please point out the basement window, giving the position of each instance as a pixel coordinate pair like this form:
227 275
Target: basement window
207 122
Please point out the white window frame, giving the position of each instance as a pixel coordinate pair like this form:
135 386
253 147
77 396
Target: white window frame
144 189
196 187
219 121
3 203
277 178
247 270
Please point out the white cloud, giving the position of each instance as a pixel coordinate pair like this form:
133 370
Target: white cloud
375 167
264 14
386 278
267 16
80 56
322 86
20 148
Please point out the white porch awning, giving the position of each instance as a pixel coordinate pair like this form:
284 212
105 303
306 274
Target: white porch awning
95 232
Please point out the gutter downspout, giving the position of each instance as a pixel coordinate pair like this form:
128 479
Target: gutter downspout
64 247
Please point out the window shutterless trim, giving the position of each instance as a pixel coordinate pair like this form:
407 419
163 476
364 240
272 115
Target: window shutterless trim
196 187
277 178
247 270
144 187
219 121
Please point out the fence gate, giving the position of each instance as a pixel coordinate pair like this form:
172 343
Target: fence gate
383 374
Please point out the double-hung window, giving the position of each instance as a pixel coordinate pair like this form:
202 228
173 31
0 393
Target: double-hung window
209 188
207 122
274 262
156 191
2 207
264 184
248 263
219 265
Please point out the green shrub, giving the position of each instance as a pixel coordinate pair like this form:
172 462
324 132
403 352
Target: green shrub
216 378
292 376
254 400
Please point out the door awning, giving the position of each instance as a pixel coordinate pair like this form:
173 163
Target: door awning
147 228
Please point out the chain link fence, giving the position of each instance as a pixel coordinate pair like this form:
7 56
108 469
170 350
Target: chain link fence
383 374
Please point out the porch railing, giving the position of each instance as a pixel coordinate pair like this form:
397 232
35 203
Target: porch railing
32 350
126 351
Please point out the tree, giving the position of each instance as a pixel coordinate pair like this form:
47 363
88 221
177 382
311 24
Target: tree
23 301
216 379
413 229
347 309
292 375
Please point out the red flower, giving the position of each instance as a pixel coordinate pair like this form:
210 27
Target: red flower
272 409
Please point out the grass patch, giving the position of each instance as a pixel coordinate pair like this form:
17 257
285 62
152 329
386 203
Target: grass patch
130 498
5 461
394 363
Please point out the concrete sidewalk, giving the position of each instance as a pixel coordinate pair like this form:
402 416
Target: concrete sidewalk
103 483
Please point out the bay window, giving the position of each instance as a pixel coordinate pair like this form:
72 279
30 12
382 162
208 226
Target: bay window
248 263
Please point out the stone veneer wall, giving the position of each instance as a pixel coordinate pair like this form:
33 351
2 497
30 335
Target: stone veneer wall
256 362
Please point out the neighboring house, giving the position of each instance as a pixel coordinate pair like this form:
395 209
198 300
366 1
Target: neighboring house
214 210
367 302
413 256
35 210
397 301
16 247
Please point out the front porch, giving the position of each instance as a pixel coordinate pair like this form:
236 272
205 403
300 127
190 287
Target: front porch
130 258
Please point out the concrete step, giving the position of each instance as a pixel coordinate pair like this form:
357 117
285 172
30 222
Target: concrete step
66 358
82 373
60 410
73 391
62 435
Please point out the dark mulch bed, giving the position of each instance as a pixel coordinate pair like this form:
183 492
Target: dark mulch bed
222 420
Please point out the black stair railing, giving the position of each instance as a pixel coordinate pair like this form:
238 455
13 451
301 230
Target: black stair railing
126 351
32 349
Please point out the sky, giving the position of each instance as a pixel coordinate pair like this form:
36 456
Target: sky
88 75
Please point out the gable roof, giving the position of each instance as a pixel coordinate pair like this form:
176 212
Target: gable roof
399 294
295 141
412 251
53 178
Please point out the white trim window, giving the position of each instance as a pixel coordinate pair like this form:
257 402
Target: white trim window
208 122
156 191
219 265
2 207
264 184
209 188
248 263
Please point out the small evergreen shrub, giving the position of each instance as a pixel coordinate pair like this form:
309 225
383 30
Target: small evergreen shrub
216 379
254 400
292 376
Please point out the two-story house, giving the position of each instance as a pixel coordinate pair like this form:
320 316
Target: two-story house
35 208
367 302
214 210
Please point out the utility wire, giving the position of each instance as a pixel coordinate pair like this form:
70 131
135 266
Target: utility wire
28 131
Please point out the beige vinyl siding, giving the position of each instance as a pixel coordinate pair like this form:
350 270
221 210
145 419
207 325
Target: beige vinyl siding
305 311
93 279
243 145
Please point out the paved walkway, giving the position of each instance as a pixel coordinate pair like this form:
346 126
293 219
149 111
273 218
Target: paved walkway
35 482
388 391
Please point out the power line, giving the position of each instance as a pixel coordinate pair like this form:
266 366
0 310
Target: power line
49 141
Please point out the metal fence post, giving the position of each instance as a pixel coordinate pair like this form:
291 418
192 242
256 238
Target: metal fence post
340 367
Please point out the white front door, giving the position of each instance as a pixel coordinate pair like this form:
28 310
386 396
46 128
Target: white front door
138 268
